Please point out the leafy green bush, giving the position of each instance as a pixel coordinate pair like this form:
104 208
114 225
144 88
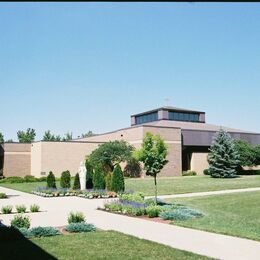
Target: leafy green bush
44 232
98 178
116 207
30 178
109 181
80 227
76 185
76 217
153 211
34 208
65 179
20 221
180 214
51 183
189 173
206 172
20 208
13 179
133 210
43 178
3 195
6 209
118 182
136 197
133 168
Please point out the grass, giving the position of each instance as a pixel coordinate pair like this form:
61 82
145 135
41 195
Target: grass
167 185
94 245
231 214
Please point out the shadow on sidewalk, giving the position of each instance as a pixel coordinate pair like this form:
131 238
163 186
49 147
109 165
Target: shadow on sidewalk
14 246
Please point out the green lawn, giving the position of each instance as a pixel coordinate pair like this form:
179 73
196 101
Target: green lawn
94 245
235 214
168 185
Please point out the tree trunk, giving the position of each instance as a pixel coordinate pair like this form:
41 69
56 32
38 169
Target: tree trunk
155 183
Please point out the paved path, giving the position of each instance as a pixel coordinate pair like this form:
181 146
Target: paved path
55 212
205 193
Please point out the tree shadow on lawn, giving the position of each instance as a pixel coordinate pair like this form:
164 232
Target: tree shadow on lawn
14 246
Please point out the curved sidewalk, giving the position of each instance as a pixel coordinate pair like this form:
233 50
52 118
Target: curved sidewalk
55 212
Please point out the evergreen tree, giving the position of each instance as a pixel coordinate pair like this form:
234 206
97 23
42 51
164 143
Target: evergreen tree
117 182
27 136
1 138
76 185
109 181
89 176
65 179
51 180
99 178
223 157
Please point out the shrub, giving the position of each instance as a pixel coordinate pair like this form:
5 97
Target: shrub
116 207
133 208
189 173
44 232
98 178
153 211
249 172
133 168
30 178
20 208
136 197
6 209
20 221
76 217
3 195
34 208
13 179
43 178
80 227
180 214
25 232
118 183
109 181
65 179
76 185
51 183
206 172
89 177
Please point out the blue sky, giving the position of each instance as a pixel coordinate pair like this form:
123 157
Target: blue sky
89 66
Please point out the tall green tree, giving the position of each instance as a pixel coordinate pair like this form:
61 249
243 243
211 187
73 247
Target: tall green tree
111 153
27 136
68 137
117 181
246 151
223 157
99 178
48 136
152 153
1 138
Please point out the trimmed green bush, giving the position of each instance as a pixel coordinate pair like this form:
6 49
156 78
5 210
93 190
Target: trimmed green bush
109 181
34 208
44 232
76 217
43 178
76 185
189 173
20 208
65 179
118 182
20 221
206 172
80 227
3 195
153 211
51 183
90 173
6 209
99 178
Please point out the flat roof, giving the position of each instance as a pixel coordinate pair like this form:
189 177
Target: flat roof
169 108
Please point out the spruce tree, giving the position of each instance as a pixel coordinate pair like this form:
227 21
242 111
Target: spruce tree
99 178
51 180
118 182
223 158
76 185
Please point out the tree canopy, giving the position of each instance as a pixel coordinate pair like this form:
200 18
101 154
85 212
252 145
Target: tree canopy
1 138
27 136
50 137
111 153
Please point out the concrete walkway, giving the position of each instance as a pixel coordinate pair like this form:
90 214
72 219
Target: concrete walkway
205 193
55 212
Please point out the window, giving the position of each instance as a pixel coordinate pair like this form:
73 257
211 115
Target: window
146 118
190 117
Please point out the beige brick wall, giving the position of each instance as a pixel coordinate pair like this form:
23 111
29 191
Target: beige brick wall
199 162
17 159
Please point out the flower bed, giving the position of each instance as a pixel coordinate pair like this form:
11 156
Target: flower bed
136 205
89 194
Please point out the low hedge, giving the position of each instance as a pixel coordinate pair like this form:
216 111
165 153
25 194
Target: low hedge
39 232
189 173
17 179
249 172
